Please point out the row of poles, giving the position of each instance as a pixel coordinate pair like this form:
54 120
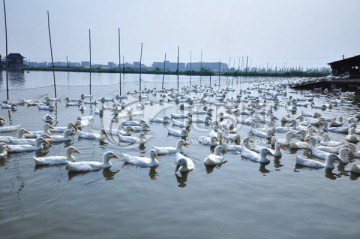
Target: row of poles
119 48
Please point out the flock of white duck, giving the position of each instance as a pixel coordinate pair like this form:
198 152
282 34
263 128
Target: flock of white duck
308 132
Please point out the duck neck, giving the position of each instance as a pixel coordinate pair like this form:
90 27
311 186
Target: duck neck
329 164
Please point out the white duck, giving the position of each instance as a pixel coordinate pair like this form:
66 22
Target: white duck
182 124
3 150
171 150
327 142
215 158
27 147
208 141
183 163
286 141
57 160
164 120
298 144
87 166
20 135
253 156
311 163
351 136
61 129
275 152
355 168
10 128
177 133
34 134
142 128
317 152
142 161
67 136
354 150
132 139
343 129
101 136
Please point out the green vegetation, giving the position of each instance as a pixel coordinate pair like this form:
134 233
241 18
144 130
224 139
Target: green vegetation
202 72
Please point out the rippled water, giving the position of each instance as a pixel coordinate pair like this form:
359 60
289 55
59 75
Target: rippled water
240 199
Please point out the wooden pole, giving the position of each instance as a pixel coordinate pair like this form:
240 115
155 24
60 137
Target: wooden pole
52 57
219 71
247 60
119 61
200 67
190 69
177 71
162 85
140 66
7 63
90 57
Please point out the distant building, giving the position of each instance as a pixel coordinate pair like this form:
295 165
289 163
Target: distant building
15 61
111 64
85 64
212 66
169 66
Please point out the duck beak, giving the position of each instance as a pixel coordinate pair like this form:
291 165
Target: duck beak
77 151
351 154
282 147
186 144
177 167
117 157
46 141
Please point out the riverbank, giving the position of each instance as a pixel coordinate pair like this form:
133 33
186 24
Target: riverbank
189 73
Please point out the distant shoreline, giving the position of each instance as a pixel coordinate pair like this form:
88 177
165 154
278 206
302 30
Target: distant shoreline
188 73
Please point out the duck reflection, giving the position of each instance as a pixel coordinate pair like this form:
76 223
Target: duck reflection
354 176
109 174
330 175
181 179
153 173
263 169
277 163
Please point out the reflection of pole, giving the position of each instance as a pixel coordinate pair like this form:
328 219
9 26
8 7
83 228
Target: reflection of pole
52 58
7 63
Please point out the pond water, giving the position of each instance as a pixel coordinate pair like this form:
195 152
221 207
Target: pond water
239 199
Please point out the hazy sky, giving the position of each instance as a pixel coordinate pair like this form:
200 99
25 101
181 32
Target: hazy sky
307 33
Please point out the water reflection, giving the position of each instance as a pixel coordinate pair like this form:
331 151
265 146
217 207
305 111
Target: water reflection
109 174
354 176
263 169
330 175
181 179
277 163
153 173
16 78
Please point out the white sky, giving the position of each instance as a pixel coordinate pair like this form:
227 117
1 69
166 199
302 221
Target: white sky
306 33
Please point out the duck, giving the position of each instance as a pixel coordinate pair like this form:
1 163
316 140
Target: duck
311 163
327 142
3 150
256 157
133 123
343 129
61 129
88 166
275 152
66 136
354 149
164 120
215 158
343 153
132 139
206 120
142 128
355 168
142 161
181 116
298 144
171 150
268 134
20 135
48 119
208 141
27 147
2 121
58 160
351 136
34 134
9 128
178 133
183 163
182 124
101 136
333 150
286 141
317 152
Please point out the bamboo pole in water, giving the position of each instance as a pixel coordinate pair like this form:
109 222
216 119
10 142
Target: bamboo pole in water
190 68
90 57
162 86
119 60
6 47
177 71
52 57
219 71
140 67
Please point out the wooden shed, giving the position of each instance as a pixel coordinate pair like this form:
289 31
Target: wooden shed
348 66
